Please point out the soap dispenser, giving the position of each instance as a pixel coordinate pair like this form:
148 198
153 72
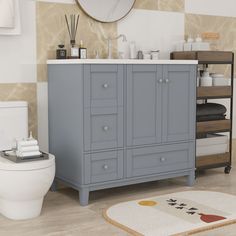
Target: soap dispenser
206 79
133 54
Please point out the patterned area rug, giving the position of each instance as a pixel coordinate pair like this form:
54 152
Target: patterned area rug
176 214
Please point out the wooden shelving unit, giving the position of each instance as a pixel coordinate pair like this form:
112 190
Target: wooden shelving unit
214 92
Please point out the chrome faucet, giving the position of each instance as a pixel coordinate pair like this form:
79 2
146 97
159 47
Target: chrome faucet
109 44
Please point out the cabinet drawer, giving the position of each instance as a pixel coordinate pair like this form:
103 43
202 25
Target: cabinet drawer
154 160
103 85
103 128
105 166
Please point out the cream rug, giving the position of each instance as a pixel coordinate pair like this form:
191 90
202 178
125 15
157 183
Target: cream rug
183 213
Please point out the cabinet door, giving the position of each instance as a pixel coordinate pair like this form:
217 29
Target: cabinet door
179 98
143 104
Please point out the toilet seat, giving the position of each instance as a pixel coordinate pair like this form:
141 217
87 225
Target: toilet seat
7 165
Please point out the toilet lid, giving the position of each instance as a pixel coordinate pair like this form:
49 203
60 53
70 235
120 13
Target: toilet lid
6 164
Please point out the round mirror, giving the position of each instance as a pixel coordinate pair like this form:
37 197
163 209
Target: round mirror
106 10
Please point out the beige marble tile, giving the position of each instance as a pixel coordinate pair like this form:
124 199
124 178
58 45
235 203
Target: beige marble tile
162 5
171 5
146 4
51 31
225 26
24 92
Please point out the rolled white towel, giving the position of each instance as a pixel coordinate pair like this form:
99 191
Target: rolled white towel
32 142
28 148
28 154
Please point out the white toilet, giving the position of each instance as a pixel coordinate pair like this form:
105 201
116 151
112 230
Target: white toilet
22 185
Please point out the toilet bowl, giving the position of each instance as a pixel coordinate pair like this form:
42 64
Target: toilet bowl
23 187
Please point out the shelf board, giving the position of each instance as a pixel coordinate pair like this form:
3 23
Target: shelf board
212 57
214 126
214 92
205 57
213 160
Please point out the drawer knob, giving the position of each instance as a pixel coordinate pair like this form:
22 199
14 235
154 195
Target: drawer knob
105 128
166 81
160 81
105 167
163 159
105 85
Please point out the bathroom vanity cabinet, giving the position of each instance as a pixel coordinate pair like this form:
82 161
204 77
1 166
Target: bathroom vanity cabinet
118 122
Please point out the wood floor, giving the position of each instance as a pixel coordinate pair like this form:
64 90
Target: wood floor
63 216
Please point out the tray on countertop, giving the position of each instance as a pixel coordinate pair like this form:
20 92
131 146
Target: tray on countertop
12 157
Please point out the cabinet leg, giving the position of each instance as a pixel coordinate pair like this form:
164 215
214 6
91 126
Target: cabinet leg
191 178
53 187
84 196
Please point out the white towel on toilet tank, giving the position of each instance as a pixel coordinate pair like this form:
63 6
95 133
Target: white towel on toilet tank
27 143
7 13
28 148
28 154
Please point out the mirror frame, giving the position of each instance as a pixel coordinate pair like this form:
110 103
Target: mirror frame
78 3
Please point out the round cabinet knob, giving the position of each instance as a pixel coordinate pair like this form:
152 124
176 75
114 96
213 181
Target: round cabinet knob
105 85
105 128
163 159
166 81
160 81
105 167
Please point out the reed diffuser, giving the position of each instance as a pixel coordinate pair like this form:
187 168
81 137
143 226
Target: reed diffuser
72 27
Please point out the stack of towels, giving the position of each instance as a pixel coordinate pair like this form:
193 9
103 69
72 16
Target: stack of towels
28 148
211 111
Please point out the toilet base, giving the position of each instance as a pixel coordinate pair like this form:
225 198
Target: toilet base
21 210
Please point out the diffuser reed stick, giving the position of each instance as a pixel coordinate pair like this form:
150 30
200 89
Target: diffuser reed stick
72 27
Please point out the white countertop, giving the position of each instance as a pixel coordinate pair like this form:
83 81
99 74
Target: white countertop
121 61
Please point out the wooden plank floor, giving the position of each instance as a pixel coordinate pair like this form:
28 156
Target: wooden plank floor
63 216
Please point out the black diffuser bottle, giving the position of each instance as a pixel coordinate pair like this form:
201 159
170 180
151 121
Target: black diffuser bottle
61 52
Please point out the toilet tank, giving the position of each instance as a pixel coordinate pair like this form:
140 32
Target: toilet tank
13 123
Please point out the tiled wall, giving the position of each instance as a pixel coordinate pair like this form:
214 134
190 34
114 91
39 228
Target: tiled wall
18 63
168 21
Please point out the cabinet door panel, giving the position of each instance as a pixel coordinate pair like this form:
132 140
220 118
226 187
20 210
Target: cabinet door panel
179 91
143 104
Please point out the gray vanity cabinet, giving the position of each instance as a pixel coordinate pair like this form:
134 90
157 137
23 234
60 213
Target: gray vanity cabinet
115 124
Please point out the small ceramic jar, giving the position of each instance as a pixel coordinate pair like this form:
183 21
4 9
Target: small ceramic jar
147 56
155 55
